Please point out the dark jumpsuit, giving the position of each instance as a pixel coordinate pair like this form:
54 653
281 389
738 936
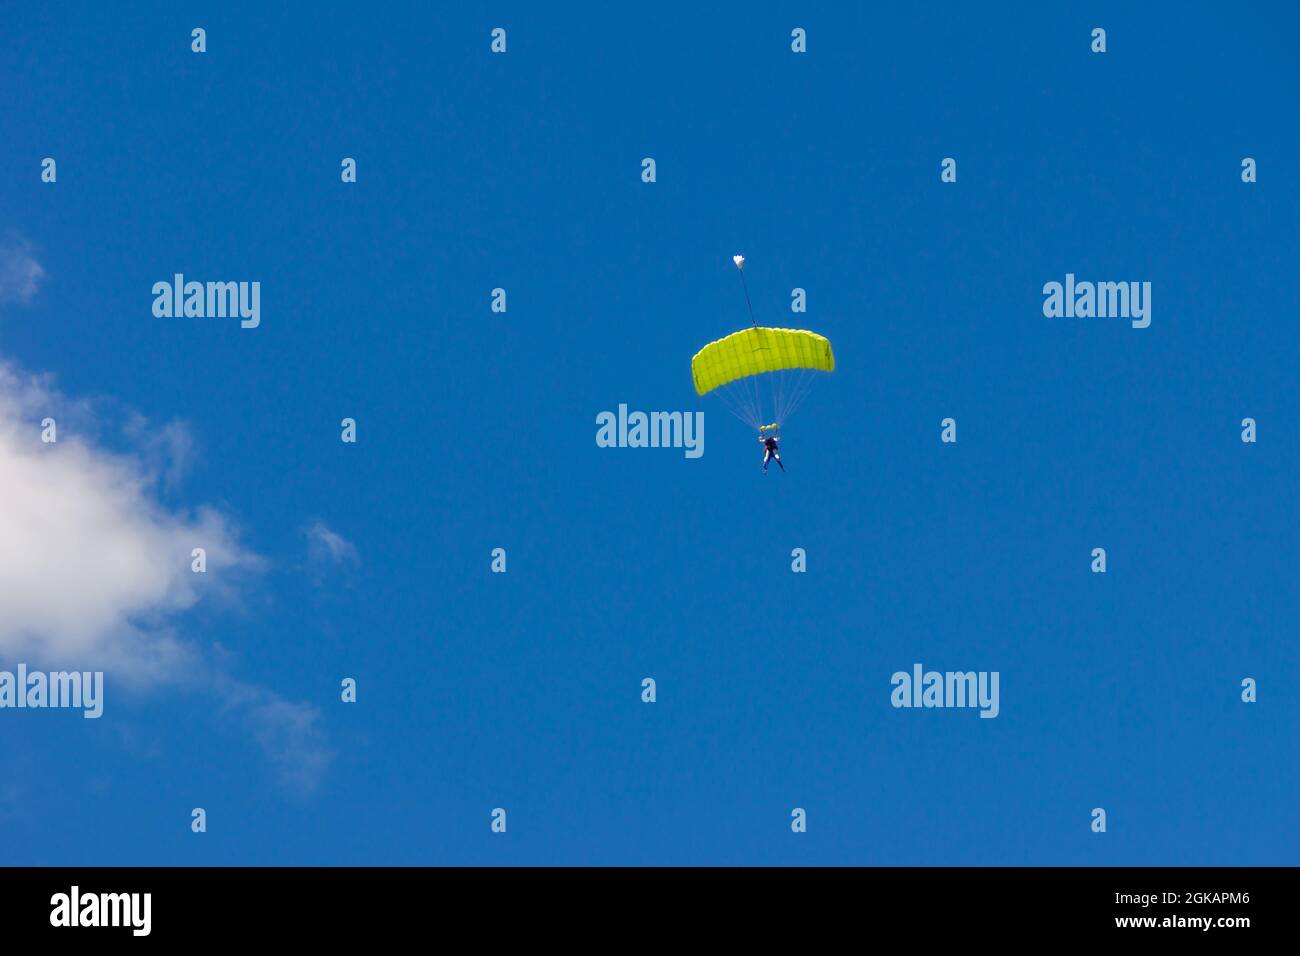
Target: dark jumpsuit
771 452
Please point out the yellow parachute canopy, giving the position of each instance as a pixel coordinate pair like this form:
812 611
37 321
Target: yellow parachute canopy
757 350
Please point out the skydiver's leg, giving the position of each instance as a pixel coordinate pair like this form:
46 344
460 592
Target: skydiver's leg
767 456
778 461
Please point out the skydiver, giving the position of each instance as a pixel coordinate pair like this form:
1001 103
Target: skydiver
770 451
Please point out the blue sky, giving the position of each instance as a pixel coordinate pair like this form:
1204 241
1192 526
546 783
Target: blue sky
476 431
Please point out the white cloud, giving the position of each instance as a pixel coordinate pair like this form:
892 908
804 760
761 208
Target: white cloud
325 546
95 573
20 273
288 733
93 569
168 450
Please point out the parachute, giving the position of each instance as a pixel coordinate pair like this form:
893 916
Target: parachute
736 365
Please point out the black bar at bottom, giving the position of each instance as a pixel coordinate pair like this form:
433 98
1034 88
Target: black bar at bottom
613 906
